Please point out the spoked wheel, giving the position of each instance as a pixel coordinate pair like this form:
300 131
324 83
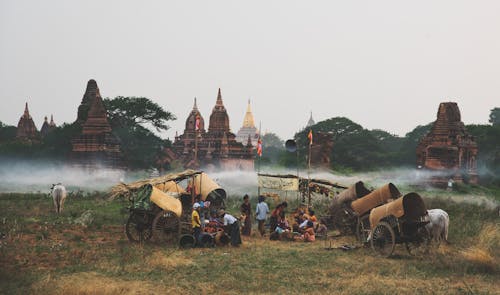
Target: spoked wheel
383 239
363 229
138 227
421 244
166 228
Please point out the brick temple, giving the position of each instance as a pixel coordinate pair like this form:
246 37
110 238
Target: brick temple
96 146
26 129
216 147
448 148
321 150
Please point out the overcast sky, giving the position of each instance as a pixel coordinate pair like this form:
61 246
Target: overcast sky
384 64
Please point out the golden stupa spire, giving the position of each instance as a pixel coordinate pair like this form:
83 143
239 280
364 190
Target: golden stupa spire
248 120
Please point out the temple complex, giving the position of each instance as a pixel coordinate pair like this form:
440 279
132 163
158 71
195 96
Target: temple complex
47 127
26 129
248 129
448 148
96 146
213 148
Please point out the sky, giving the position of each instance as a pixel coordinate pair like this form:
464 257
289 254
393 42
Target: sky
383 64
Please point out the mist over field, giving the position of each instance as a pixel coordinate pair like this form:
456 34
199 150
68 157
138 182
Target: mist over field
22 176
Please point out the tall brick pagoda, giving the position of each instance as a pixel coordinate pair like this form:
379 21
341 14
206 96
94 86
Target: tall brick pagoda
248 129
448 148
96 146
213 148
26 129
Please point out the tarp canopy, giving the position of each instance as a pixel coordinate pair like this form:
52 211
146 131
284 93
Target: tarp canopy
291 182
279 182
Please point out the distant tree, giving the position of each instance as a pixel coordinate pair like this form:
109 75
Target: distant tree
131 118
495 117
7 133
272 140
133 111
487 138
272 148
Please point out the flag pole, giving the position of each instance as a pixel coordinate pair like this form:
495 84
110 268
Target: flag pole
259 156
309 170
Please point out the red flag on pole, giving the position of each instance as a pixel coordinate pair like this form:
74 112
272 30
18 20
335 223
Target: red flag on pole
310 136
259 147
197 123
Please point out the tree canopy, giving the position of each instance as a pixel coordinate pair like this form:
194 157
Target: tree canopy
134 111
495 116
130 118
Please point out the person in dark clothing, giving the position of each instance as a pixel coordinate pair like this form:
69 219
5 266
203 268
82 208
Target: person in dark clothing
246 209
232 226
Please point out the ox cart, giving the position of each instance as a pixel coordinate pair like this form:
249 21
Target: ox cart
401 221
160 208
350 210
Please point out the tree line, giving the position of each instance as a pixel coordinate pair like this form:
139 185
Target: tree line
137 121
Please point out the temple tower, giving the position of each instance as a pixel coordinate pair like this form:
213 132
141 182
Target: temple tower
248 129
448 148
26 129
97 145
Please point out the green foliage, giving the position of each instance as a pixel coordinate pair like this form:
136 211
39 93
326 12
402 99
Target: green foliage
495 117
488 161
7 133
134 111
129 117
272 148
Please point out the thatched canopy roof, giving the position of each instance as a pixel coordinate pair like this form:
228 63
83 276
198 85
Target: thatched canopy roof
124 189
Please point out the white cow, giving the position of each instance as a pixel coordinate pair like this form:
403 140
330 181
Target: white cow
438 225
58 192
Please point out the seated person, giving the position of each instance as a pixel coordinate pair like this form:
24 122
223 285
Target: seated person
321 228
309 235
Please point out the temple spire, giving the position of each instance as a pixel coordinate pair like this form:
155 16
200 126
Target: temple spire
52 121
26 111
195 106
219 99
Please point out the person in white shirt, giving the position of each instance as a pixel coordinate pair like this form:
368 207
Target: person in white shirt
261 212
232 226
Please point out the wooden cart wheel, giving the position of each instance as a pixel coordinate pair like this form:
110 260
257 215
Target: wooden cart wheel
363 228
138 227
383 239
421 244
166 228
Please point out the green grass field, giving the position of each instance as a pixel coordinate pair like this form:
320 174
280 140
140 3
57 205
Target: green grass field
42 253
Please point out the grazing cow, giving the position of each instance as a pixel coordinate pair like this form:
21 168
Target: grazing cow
438 225
58 192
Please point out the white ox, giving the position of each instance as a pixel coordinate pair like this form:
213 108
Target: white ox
58 192
438 225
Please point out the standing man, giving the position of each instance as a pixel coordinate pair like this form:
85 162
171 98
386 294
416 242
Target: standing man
232 226
261 214
195 221
246 209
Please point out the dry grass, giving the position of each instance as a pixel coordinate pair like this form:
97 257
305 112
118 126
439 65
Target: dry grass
94 283
486 251
50 256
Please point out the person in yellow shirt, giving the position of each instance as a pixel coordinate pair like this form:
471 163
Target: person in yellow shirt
196 223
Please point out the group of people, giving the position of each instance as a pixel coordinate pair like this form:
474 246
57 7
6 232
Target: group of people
304 227
229 222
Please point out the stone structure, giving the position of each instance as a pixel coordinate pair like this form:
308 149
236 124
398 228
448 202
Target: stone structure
96 146
213 148
47 127
448 148
321 150
26 129
311 121
248 129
